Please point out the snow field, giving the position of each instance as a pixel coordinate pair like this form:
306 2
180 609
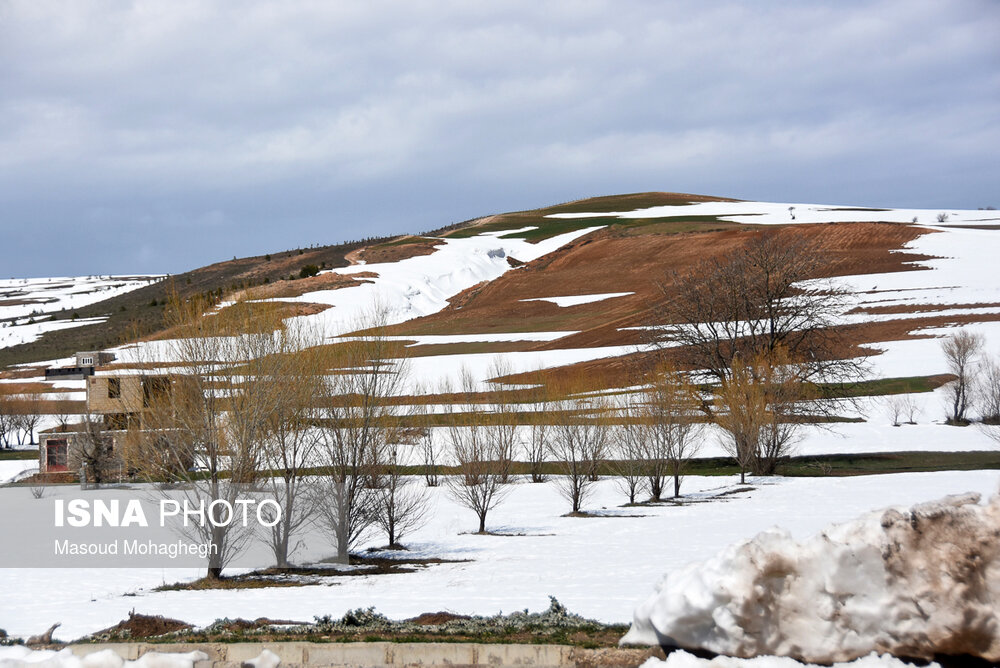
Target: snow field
598 567
776 213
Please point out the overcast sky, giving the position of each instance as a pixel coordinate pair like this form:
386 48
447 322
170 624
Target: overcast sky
161 136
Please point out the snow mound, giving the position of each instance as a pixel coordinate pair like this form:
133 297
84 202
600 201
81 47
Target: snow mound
912 583
681 659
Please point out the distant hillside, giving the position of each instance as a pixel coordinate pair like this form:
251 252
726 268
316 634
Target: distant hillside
142 310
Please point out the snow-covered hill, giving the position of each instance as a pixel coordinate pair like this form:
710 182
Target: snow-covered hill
29 307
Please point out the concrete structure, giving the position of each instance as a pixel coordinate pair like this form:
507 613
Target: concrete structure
86 363
293 654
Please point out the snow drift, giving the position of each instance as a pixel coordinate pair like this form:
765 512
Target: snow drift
913 583
681 659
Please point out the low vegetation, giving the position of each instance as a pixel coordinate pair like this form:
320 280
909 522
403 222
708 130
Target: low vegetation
555 625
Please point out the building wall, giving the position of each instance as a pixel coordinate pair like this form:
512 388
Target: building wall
97 358
74 452
129 399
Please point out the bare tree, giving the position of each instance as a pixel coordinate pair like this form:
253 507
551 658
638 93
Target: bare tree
539 431
672 434
754 299
29 410
961 351
361 420
628 463
97 452
291 439
429 456
205 428
480 482
6 419
500 421
579 443
762 407
401 505
989 391
741 408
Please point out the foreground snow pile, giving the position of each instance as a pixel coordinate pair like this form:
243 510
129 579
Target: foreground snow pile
46 658
681 659
912 583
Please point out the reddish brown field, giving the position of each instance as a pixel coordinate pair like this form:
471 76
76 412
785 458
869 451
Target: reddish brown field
613 261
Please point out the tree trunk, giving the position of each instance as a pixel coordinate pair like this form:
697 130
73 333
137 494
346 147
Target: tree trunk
482 523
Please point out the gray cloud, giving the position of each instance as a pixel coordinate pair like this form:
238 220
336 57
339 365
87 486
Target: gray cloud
159 136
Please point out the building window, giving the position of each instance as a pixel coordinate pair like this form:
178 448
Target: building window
55 455
153 387
118 421
114 388
87 361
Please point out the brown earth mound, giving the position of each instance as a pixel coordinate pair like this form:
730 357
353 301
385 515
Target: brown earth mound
436 618
144 626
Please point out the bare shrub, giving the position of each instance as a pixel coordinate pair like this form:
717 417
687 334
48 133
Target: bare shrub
901 408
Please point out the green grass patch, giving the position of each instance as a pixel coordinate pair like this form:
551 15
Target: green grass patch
886 386
18 455
889 462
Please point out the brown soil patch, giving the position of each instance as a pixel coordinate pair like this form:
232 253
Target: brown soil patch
31 388
630 202
306 576
436 618
299 287
394 251
918 308
284 310
626 370
974 227
22 372
431 350
144 626
25 302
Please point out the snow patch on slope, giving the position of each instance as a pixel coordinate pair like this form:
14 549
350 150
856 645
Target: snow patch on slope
778 213
574 300
422 285
914 582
